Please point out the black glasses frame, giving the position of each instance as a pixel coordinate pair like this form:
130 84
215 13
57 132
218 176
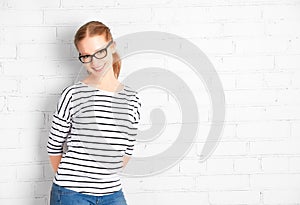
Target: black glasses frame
94 55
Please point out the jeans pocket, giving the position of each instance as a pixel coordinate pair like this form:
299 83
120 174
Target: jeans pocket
60 195
116 198
55 197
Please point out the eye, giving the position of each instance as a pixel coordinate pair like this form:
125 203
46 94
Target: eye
102 51
100 54
85 57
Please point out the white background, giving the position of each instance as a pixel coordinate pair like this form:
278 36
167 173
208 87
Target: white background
255 48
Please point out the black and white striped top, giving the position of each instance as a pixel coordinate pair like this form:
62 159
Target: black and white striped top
99 128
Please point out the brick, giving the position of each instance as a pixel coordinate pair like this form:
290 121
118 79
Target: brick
295 80
44 51
191 197
9 189
187 30
222 182
283 28
205 14
294 46
48 171
10 173
65 33
277 80
30 34
191 167
25 17
247 165
219 166
8 51
234 197
22 120
278 12
288 97
9 85
281 196
28 86
286 62
29 200
249 29
295 130
274 147
32 103
247 63
17 156
249 81
118 30
224 13
71 68
33 68
42 188
282 112
41 155
86 4
267 45
154 198
275 181
275 164
251 97
246 113
228 132
10 138
228 81
2 103
227 149
33 137
249 113
145 198
132 185
30 172
294 164
55 85
270 130
31 4
174 183
214 46
75 16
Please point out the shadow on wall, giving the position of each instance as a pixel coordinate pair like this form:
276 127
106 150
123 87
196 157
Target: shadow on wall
68 72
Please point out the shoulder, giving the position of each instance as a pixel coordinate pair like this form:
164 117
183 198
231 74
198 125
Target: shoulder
135 98
69 89
131 91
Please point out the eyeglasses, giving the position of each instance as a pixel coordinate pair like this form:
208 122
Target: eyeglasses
102 53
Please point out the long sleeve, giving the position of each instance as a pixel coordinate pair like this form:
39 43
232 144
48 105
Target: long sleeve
136 123
61 123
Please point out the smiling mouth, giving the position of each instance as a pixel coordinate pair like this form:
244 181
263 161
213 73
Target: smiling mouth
98 69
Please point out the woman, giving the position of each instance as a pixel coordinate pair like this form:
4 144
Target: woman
98 119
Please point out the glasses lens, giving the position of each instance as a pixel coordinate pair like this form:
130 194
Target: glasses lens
85 59
101 54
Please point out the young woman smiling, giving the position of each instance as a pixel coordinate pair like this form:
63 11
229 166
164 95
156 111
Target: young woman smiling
98 119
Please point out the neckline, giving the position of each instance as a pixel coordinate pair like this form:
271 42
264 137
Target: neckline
104 91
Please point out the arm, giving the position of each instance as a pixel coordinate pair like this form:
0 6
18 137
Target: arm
135 125
60 128
126 158
55 160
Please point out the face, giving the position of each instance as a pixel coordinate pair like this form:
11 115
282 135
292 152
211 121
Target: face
98 68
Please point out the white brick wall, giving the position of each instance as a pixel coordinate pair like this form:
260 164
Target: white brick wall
255 48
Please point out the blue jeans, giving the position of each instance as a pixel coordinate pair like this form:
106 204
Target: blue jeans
62 196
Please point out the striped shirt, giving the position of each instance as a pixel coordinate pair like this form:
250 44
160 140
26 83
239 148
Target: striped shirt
98 128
